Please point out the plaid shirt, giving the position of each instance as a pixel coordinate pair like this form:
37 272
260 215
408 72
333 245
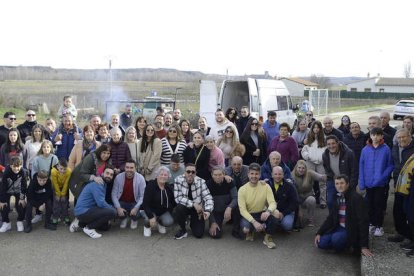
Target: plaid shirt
199 190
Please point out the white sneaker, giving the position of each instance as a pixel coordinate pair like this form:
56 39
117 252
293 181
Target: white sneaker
6 226
20 226
36 219
147 231
74 226
124 223
371 229
379 232
91 233
134 224
161 229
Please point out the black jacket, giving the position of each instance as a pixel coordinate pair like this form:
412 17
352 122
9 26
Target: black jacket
405 154
25 129
335 132
250 146
37 193
286 197
202 167
347 164
356 220
13 183
390 131
355 144
156 201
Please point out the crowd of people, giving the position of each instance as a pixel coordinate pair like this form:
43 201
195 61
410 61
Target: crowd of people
261 177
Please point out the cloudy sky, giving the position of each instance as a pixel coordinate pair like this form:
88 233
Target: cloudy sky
286 38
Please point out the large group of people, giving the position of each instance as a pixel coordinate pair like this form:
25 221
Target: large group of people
258 176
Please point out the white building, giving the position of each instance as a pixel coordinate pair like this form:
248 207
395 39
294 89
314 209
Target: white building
297 86
386 85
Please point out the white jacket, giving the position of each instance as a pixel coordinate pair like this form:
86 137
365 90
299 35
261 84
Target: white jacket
312 153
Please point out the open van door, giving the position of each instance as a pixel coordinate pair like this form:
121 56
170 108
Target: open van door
208 100
254 98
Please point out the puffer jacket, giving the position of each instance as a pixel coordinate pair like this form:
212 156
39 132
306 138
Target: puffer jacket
313 153
119 154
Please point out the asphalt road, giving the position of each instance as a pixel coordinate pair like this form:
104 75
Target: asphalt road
127 252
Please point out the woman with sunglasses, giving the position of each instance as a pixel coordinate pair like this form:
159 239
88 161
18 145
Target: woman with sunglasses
197 153
345 126
149 153
172 143
309 118
255 142
231 115
230 145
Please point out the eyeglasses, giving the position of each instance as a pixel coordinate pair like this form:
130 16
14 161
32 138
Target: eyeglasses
190 172
308 114
172 131
12 118
31 115
229 131
149 130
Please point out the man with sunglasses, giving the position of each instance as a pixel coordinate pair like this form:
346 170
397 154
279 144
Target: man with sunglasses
193 199
9 122
26 128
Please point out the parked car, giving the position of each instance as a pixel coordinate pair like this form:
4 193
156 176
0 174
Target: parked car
403 108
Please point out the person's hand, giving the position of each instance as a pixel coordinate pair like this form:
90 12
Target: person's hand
57 198
305 141
153 222
317 240
258 226
228 178
198 207
213 229
77 136
133 212
98 180
117 171
277 214
256 152
2 205
191 145
121 212
227 214
366 252
22 203
264 216
58 137
206 215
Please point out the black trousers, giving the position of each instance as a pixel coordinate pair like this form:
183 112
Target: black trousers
376 202
6 210
400 218
219 218
37 204
197 224
96 218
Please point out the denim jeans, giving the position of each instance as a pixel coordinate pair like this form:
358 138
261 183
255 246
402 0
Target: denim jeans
165 219
330 190
335 240
270 224
287 222
128 206
96 217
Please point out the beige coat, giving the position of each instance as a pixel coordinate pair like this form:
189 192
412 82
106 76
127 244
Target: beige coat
75 156
149 161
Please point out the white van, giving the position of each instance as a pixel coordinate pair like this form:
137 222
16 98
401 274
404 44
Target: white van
260 95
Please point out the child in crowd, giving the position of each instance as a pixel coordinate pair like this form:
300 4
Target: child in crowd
39 192
60 181
13 184
67 108
45 159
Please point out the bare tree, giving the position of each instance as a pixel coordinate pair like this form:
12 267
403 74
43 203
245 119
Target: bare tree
324 82
407 70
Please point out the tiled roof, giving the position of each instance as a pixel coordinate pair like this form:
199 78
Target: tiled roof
302 81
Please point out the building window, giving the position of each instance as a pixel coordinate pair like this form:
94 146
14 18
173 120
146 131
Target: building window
382 90
354 90
367 89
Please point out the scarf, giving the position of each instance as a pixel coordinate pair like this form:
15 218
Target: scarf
405 177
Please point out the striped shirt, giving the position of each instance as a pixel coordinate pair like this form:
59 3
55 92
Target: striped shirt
341 210
167 151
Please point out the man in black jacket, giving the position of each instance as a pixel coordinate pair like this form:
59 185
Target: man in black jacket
286 197
328 129
338 159
347 223
25 129
400 153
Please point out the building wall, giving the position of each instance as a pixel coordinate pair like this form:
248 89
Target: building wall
361 86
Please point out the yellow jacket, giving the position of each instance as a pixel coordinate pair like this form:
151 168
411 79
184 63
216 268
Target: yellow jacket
60 181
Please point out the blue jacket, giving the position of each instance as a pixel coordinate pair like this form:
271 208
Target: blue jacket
375 166
266 171
68 141
271 131
93 195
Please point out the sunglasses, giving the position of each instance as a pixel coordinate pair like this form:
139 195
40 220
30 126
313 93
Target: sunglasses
31 115
308 114
190 172
172 131
149 130
255 124
229 131
232 113
13 119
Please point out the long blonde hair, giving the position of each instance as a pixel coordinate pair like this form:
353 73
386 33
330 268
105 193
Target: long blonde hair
306 176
